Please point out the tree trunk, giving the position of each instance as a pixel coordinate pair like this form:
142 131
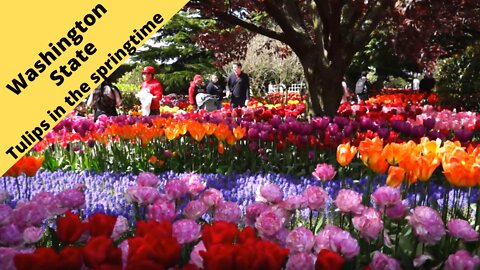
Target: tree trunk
324 85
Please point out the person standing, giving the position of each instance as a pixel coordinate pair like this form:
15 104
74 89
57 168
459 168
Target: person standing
415 83
427 84
362 86
105 99
346 92
238 84
154 87
196 87
215 88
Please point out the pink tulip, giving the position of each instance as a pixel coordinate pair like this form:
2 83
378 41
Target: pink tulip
142 195
148 180
324 172
71 199
369 223
31 235
195 257
268 223
211 197
427 224
10 235
51 203
316 197
294 202
300 261
253 211
121 226
227 211
6 258
461 229
175 189
5 212
161 210
462 260
300 240
396 211
386 196
195 209
194 183
271 193
28 214
186 231
337 240
381 261
349 201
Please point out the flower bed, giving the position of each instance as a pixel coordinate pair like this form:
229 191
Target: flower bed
305 223
276 191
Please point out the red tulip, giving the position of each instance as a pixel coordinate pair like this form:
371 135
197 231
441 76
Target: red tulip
329 260
219 232
101 224
100 252
70 228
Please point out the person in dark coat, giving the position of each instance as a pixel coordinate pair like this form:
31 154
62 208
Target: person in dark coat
215 88
427 83
238 84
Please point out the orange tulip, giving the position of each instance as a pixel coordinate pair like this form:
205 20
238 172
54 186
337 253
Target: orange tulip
220 148
395 176
460 168
231 140
372 155
345 154
182 127
209 128
448 147
196 130
395 152
172 131
28 165
146 134
152 159
239 132
430 146
222 131
409 164
426 166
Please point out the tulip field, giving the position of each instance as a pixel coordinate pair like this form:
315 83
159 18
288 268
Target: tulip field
390 183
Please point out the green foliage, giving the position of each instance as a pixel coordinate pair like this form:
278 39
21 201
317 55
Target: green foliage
382 61
129 85
459 79
265 62
395 82
177 52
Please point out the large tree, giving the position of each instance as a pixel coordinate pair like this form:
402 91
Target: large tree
326 34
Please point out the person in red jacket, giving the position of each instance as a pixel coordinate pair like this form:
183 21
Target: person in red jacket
155 88
196 86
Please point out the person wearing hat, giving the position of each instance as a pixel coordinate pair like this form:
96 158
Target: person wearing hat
154 87
196 86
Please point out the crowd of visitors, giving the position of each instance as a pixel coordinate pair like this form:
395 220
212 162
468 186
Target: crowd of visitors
106 98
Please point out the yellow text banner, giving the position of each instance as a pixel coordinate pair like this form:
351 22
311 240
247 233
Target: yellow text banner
54 53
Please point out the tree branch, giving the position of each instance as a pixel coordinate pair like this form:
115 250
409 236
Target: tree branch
324 10
249 26
362 31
